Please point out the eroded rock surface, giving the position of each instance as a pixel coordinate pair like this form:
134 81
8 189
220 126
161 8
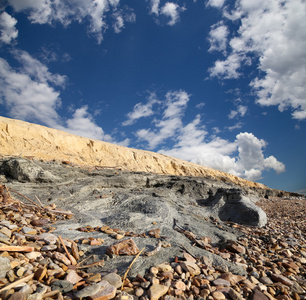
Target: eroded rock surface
139 203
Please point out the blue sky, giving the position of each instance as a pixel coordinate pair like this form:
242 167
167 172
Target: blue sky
220 83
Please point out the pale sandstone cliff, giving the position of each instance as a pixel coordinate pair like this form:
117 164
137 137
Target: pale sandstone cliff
18 138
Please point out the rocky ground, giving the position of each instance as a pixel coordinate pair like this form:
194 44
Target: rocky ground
44 255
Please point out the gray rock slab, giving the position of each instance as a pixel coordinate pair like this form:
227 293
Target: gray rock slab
139 202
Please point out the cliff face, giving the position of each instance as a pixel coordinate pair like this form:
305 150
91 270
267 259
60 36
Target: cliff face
18 138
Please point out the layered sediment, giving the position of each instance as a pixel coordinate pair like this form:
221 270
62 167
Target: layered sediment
22 139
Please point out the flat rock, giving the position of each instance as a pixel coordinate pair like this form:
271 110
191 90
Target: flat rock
156 291
5 266
126 247
113 279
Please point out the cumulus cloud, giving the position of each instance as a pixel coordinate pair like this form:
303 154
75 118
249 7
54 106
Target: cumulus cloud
242 157
29 93
218 37
8 31
167 127
169 9
66 12
239 112
141 110
215 3
271 37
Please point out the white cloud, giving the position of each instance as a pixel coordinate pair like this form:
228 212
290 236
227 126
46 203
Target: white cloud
216 3
218 37
244 157
29 95
170 9
241 111
167 127
141 110
155 7
66 12
82 124
8 32
271 35
37 70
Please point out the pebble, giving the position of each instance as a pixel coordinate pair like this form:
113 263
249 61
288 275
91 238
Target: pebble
73 277
5 266
218 295
28 230
88 291
63 286
156 291
282 279
114 279
107 291
190 267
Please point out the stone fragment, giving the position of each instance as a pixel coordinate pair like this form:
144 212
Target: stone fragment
49 248
126 247
63 286
6 231
266 280
124 296
154 233
189 258
258 295
73 277
75 250
113 279
8 224
221 282
94 278
282 279
218 295
190 267
236 248
88 291
40 273
156 291
62 258
107 291
26 290
180 285
164 268
39 222
296 288
48 238
234 294
33 255
29 230
18 296
139 292
5 266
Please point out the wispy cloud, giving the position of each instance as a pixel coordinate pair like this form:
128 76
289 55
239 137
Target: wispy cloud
243 157
271 35
239 112
96 12
169 9
30 93
8 31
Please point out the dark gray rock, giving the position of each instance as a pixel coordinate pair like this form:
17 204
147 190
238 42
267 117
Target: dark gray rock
233 205
25 170
135 201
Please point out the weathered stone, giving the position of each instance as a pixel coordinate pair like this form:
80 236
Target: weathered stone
107 291
218 295
5 266
126 247
234 294
40 274
48 238
88 291
33 255
282 279
6 231
190 267
73 277
62 258
156 291
258 295
18 296
266 280
164 267
63 286
221 282
235 248
113 279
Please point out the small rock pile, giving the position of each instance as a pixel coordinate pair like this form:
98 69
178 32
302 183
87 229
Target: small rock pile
35 264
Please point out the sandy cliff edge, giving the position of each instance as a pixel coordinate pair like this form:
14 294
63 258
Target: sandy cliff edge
19 138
